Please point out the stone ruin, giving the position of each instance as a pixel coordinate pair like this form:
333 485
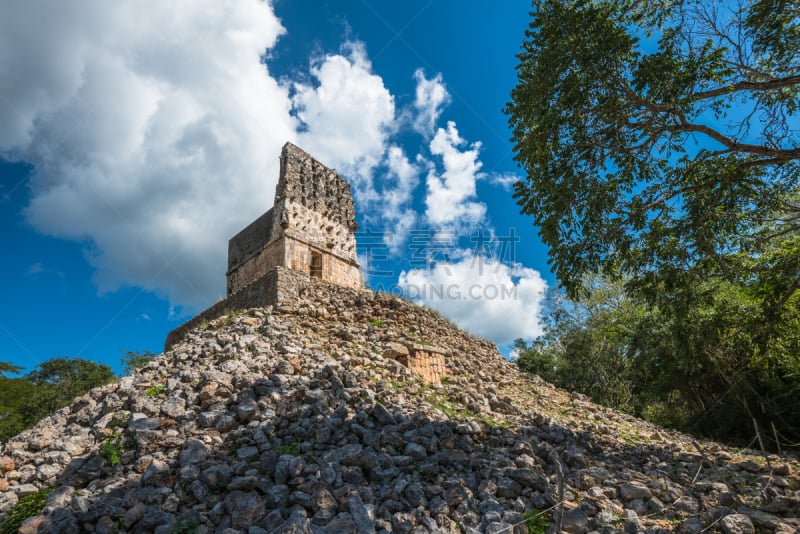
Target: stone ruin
307 235
425 360
310 228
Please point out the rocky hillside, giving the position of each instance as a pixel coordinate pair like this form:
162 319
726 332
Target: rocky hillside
292 420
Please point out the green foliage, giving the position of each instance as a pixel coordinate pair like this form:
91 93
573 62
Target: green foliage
494 423
536 521
119 420
14 393
660 136
59 380
155 391
539 358
292 449
8 367
185 526
27 506
661 145
453 410
775 28
586 344
133 360
377 323
112 449
711 369
53 384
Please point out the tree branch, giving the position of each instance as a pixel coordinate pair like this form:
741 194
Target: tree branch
782 155
788 294
744 85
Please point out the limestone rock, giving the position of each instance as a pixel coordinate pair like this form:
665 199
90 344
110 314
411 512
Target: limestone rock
300 421
736 524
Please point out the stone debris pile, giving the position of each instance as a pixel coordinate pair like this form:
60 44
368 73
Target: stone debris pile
296 418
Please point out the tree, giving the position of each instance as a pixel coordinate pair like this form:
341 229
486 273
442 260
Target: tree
53 384
662 136
586 344
8 367
703 370
661 143
59 380
13 392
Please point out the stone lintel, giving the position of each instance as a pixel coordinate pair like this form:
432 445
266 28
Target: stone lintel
419 347
297 236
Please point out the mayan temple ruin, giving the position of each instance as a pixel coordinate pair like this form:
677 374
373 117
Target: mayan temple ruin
309 233
307 236
310 228
306 403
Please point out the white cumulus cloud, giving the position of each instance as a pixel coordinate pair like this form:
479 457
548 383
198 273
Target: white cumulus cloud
347 115
482 295
399 217
154 131
430 99
450 200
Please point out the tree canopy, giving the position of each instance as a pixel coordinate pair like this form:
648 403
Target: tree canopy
662 137
661 144
51 385
703 370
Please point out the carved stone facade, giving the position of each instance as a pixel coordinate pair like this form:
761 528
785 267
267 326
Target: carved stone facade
427 361
310 228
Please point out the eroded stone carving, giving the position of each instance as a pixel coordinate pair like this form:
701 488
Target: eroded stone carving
425 360
310 228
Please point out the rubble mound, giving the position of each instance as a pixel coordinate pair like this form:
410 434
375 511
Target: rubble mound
296 418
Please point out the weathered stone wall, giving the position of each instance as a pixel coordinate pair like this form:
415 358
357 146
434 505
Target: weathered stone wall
264 260
335 269
319 230
275 287
313 213
427 361
294 254
250 241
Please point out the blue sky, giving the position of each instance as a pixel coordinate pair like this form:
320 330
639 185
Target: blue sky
135 141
